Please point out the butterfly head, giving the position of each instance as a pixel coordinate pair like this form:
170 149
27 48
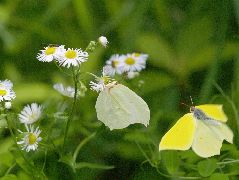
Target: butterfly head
192 109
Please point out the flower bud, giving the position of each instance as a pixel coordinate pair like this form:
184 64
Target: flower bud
103 41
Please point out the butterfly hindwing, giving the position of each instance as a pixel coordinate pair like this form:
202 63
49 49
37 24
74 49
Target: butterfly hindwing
209 137
180 136
205 143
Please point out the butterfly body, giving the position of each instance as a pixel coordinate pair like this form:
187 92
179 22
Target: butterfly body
201 116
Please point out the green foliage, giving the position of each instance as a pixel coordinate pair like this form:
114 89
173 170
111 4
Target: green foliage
193 50
171 161
207 167
219 176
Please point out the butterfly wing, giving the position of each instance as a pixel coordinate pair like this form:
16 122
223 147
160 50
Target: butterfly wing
209 137
118 107
180 136
213 111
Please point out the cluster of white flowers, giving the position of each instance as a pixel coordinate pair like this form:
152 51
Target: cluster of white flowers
29 115
130 64
64 57
6 93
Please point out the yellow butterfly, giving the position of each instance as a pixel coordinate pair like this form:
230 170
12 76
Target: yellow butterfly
203 129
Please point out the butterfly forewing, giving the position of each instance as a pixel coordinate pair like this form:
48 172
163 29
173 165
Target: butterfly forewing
180 136
213 111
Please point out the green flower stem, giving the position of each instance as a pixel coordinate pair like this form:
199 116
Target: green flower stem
75 79
91 46
59 67
228 162
82 143
44 163
10 168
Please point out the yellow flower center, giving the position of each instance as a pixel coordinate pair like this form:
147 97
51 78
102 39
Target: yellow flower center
70 54
136 54
50 50
3 92
130 61
114 63
32 138
33 116
105 79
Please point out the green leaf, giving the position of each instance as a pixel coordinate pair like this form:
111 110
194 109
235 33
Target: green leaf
25 163
92 166
171 161
68 159
9 177
219 176
207 167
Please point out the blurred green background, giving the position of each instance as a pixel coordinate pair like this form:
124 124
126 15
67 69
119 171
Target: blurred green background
193 50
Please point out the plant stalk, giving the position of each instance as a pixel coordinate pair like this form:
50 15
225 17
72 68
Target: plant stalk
75 79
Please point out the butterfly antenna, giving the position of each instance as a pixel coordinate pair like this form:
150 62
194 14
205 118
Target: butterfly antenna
185 104
191 100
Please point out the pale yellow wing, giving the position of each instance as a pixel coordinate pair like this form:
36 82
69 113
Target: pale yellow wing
209 137
180 136
133 107
214 111
118 107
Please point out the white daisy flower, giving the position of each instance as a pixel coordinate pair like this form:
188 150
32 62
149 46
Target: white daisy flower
7 83
113 65
141 57
31 138
6 92
131 74
98 87
30 113
68 91
49 53
101 82
103 41
72 57
133 62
